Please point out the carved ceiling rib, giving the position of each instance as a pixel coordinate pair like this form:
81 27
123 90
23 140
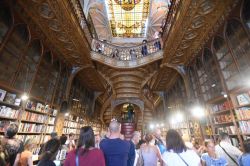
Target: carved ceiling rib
193 27
127 82
195 23
58 23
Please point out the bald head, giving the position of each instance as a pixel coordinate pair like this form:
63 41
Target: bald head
114 127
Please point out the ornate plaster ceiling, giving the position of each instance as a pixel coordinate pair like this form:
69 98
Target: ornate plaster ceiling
194 23
127 82
125 19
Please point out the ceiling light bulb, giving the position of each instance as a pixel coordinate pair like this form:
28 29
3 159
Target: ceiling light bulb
66 114
179 117
24 97
198 111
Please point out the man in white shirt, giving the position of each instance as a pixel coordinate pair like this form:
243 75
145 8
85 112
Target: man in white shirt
134 141
227 150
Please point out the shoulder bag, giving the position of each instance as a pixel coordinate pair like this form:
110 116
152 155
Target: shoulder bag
140 161
77 159
229 155
182 159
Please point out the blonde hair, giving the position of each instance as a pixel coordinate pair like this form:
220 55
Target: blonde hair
28 143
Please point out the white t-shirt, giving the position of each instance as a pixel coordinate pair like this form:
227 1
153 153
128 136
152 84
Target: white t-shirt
234 152
136 157
172 159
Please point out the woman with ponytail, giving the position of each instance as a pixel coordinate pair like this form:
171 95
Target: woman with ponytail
85 154
49 153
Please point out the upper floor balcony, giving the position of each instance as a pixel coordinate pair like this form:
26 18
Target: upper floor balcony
126 57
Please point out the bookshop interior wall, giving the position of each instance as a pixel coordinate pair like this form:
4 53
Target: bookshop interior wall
46 86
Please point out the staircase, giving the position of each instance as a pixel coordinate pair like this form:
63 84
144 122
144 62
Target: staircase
127 129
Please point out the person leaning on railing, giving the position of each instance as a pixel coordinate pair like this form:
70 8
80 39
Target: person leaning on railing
144 49
115 54
133 54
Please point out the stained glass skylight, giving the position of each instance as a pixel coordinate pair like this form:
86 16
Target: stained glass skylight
128 17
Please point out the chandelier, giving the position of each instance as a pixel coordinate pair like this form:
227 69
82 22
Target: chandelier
127 4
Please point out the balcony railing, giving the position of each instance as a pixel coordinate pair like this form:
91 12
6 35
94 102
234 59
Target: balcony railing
171 16
76 6
127 53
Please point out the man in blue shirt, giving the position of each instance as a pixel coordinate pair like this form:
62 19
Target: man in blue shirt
116 150
244 160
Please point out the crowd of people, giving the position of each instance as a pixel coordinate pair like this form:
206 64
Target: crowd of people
132 55
111 149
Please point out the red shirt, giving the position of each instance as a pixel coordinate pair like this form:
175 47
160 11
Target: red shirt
92 157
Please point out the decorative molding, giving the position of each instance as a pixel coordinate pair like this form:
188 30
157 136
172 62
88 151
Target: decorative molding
126 64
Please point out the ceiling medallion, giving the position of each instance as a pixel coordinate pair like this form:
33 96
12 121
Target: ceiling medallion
127 4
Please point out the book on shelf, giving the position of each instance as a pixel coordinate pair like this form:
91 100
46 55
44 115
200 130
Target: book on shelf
234 142
24 138
52 120
10 98
243 99
17 102
33 128
243 113
227 129
34 117
40 107
2 94
9 112
244 127
50 129
31 105
223 118
221 107
54 112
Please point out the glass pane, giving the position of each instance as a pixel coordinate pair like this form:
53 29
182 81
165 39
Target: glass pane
5 21
240 44
246 13
226 63
12 52
62 84
213 83
28 66
128 18
45 81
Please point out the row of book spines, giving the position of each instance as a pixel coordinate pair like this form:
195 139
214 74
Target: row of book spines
34 117
72 124
228 129
38 118
223 118
67 130
243 113
245 127
11 98
221 107
13 113
27 127
9 113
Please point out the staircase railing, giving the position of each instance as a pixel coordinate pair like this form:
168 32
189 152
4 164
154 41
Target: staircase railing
126 53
